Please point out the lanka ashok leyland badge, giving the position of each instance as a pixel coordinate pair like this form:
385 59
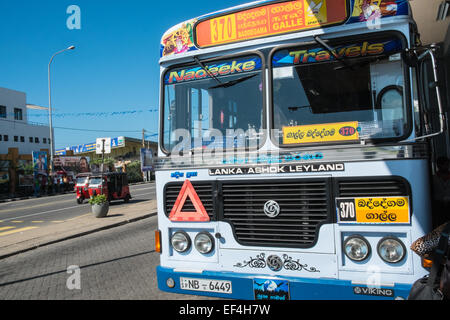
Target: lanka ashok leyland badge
272 209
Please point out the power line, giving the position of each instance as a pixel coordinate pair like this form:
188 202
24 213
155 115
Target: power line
92 130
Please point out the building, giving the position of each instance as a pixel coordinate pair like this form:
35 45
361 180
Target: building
18 139
124 150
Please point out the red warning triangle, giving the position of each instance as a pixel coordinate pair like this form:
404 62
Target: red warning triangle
200 215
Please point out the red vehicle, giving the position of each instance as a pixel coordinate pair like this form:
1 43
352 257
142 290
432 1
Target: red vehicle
82 187
114 186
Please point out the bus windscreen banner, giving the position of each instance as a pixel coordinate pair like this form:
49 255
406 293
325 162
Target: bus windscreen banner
369 48
270 20
223 68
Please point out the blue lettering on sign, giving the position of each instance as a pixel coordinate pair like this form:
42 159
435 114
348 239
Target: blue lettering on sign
272 159
191 174
177 175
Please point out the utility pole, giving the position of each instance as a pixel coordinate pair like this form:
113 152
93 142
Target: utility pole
143 138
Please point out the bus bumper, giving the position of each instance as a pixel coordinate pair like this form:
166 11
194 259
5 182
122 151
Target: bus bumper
247 287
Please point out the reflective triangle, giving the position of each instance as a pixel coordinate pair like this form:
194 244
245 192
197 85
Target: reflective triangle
200 214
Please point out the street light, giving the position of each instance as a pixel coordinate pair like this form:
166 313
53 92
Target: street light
50 106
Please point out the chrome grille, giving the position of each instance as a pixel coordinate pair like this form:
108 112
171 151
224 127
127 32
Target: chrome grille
380 187
304 207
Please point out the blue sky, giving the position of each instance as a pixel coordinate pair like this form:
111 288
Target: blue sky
114 67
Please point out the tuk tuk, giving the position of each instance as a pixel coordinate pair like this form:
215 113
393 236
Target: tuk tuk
114 186
82 187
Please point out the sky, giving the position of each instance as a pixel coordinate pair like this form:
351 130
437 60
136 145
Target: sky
113 69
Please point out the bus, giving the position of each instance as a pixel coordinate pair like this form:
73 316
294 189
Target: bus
296 152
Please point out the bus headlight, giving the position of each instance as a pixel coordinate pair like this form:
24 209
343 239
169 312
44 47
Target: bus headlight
204 242
180 241
391 250
356 248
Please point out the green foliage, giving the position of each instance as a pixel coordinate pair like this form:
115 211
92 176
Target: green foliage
98 200
134 172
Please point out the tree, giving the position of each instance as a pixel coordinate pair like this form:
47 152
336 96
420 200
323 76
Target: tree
134 172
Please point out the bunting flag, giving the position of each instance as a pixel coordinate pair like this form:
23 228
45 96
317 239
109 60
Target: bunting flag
96 114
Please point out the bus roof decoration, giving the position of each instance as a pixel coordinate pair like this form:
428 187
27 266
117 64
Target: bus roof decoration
271 18
177 215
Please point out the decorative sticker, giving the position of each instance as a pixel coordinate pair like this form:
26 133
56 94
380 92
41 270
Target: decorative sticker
319 133
223 68
371 10
270 20
377 210
179 39
353 50
268 289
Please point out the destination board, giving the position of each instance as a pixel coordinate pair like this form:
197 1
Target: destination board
270 20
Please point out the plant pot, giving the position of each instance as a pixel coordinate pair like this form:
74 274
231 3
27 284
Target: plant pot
100 210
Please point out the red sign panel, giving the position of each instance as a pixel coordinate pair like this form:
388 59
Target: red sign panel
270 20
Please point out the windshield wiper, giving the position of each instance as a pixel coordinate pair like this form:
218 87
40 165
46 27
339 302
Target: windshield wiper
332 51
233 82
206 69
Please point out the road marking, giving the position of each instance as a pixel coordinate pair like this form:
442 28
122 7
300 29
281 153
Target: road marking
58 221
16 221
34 206
41 213
84 215
6 228
37 221
16 231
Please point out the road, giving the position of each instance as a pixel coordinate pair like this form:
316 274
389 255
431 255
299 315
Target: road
21 216
118 263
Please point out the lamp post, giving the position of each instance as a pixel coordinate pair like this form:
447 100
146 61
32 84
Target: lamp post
50 106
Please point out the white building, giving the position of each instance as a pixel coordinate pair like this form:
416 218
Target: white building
15 130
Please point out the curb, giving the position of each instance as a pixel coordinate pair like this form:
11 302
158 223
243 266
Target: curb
78 235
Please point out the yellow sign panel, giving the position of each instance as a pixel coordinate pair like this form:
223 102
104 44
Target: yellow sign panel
317 133
316 13
377 210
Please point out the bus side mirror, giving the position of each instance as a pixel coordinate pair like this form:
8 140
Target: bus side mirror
429 81
410 58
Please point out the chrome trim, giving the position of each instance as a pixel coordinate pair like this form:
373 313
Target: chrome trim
308 155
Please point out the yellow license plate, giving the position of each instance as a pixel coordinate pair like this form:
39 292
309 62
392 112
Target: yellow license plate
376 210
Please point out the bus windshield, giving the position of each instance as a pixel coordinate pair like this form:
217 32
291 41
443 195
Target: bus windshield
353 92
225 97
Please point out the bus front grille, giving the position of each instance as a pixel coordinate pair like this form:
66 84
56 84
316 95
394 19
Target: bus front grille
304 205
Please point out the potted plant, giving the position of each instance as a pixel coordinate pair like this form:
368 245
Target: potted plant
99 205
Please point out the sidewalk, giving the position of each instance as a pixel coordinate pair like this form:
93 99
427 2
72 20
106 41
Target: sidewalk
85 224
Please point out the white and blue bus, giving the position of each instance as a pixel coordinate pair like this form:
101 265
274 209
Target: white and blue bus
296 151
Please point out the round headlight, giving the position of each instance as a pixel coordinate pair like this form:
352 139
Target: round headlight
391 250
204 242
356 248
180 241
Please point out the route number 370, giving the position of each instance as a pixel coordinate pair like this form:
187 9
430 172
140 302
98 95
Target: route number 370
223 29
347 210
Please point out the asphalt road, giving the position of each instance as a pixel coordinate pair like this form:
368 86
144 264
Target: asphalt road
19 216
115 264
